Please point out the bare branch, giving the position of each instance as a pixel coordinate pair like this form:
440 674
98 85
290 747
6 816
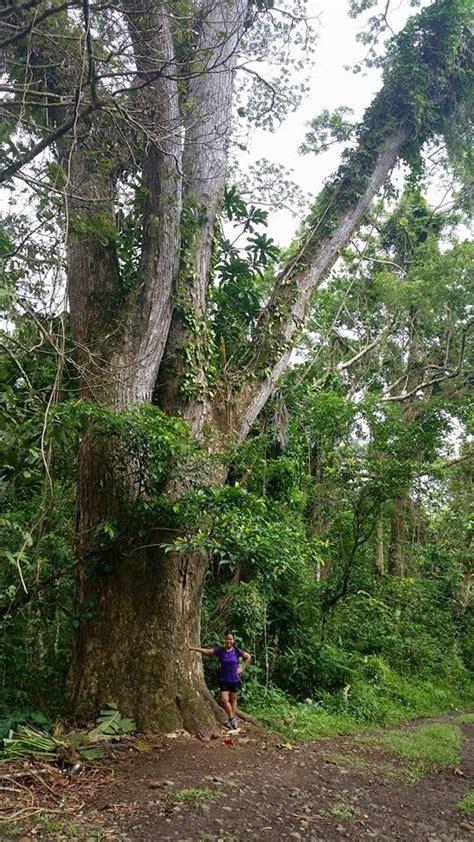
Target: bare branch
59 132
447 374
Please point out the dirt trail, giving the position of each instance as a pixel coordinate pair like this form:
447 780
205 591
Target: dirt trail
256 788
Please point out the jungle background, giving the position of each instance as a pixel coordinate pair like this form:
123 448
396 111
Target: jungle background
340 543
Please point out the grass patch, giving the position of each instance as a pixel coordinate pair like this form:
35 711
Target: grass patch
196 795
466 804
50 829
390 774
395 701
297 720
354 761
466 719
61 829
52 825
343 810
10 830
435 746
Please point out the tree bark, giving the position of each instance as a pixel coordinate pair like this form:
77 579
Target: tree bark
151 305
398 538
137 613
208 124
143 611
379 548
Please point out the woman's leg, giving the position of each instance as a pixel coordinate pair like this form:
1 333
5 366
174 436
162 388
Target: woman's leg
233 703
225 703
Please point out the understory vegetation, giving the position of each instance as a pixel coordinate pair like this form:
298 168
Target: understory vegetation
338 547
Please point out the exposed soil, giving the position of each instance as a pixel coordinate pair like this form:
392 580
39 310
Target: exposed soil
253 786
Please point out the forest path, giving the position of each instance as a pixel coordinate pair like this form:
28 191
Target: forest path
261 788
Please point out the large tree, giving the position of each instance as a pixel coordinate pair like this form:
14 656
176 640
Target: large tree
135 103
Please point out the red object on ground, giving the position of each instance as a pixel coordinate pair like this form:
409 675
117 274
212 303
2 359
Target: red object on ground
227 742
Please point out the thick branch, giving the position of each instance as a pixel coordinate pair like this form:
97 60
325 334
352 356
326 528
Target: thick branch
465 457
208 104
344 365
428 60
60 131
149 27
293 290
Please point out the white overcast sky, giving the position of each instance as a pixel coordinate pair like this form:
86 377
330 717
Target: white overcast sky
332 86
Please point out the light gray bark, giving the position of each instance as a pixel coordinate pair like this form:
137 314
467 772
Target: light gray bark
208 128
255 393
379 547
208 116
151 309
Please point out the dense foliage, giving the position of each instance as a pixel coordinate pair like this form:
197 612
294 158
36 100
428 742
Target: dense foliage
339 545
187 405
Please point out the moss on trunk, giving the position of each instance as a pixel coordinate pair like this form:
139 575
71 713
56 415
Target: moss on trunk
137 618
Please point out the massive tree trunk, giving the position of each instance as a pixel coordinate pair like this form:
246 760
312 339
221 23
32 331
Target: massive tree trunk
138 610
132 647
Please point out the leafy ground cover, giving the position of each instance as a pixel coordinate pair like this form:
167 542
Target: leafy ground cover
20 739
437 744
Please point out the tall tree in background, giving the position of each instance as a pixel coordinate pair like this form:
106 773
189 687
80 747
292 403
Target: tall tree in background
395 325
137 111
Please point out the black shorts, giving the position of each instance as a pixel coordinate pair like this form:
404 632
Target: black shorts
231 686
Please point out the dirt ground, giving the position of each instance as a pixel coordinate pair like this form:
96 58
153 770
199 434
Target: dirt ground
253 786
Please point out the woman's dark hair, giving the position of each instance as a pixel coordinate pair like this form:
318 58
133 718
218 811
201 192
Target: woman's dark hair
228 632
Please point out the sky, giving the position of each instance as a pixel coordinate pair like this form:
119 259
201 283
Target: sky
332 86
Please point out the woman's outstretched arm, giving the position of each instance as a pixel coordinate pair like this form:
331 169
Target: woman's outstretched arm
201 650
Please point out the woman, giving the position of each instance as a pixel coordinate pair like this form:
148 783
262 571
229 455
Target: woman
229 675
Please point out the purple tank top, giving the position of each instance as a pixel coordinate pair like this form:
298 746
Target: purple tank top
229 660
